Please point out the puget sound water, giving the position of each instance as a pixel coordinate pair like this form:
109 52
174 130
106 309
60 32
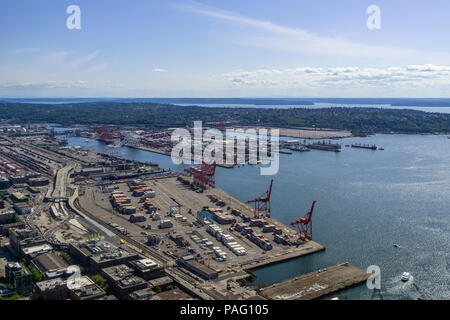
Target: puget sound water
367 201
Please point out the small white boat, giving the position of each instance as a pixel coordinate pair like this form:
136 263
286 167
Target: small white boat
405 276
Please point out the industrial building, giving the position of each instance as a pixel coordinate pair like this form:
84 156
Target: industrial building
196 267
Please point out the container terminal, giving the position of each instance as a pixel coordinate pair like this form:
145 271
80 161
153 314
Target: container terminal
149 233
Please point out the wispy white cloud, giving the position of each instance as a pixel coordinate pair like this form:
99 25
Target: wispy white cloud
318 77
159 70
274 36
84 60
65 60
57 57
79 84
25 50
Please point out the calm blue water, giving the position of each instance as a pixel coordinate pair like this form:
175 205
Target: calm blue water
319 105
366 202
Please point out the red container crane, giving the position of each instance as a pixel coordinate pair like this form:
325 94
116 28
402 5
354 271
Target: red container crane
304 224
204 175
262 204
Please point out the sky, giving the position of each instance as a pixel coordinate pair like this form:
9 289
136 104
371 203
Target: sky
224 48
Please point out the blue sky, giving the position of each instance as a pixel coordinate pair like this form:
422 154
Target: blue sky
251 48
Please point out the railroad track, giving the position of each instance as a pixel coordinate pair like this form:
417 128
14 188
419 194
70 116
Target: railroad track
163 260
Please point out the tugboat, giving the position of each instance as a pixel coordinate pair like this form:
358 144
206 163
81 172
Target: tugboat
405 276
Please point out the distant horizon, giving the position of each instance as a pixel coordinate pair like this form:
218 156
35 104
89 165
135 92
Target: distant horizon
258 102
231 97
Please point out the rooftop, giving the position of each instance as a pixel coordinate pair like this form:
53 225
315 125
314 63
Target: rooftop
174 294
49 261
145 264
160 281
51 284
123 276
37 249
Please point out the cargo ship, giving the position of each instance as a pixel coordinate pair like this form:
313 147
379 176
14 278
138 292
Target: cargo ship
326 146
299 148
364 146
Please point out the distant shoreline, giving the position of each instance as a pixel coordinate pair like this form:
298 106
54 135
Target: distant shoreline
265 101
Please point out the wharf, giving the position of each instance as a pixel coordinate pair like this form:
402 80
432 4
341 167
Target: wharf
169 154
316 284
302 250
282 253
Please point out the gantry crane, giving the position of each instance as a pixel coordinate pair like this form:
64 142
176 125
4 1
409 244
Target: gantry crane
262 203
204 175
304 224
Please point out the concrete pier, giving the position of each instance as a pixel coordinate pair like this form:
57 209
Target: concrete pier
316 284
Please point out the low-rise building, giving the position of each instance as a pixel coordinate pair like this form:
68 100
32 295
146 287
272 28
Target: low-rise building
6 216
24 238
85 289
54 289
38 182
123 281
18 196
23 208
98 254
196 267
4 228
147 269
87 172
162 282
174 294
144 294
33 251
19 277
50 265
